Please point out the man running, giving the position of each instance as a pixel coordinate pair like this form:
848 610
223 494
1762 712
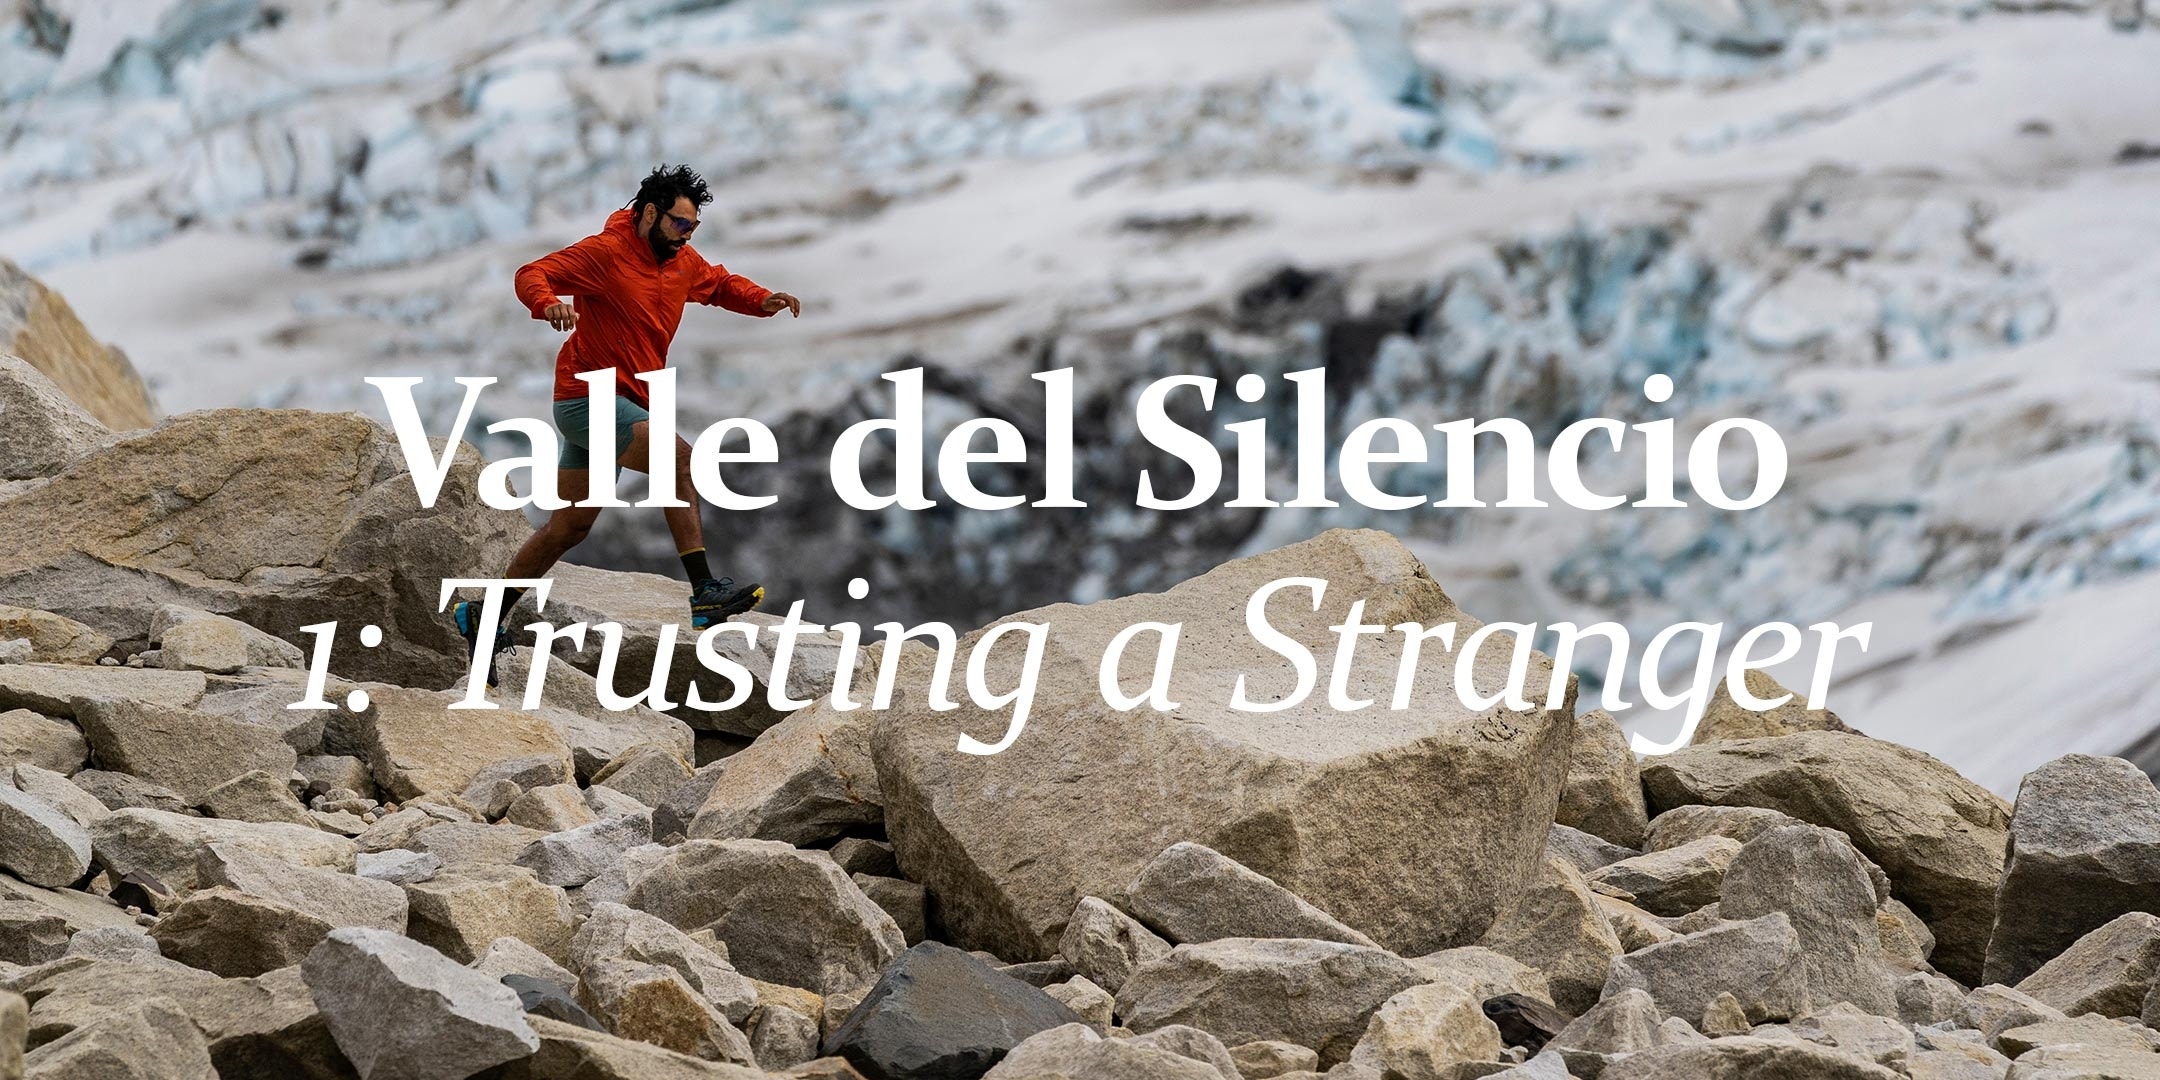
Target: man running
630 283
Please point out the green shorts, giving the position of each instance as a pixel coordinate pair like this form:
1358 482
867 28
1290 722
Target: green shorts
571 419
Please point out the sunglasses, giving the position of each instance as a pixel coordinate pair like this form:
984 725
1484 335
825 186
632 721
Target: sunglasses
683 226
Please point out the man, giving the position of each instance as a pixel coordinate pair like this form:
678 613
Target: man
630 283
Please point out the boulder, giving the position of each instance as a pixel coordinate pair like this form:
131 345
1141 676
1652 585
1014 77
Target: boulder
615 931
1485 973
39 843
575 856
1008 843
1094 1005
1422 1031
1625 1023
1266 1058
1076 1052
1582 850
153 1041
1603 796
30 934
166 846
184 749
302 729
937 1013
652 1003
641 604
1726 720
1106 945
550 808
1745 1058
463 910
2085 848
2088 1030
907 903
1674 881
1192 893
781 1037
645 772
62 793
1816 878
402 1011
200 632
54 689
1758 962
338 899
508 956
120 791
1994 1009
28 738
1557 927
1939 836
570 1052
54 639
465 844
569 700
278 518
397 866
787 916
550 999
1319 994
419 745
256 795
37 325
2081 1062
2109 971
672 815
41 430
230 933
804 781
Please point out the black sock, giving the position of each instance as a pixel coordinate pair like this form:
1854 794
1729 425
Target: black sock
511 596
693 564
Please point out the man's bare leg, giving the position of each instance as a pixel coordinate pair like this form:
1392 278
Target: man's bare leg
564 529
711 600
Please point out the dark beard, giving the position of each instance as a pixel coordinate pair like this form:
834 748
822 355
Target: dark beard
662 250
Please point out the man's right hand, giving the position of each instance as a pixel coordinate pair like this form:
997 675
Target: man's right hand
560 316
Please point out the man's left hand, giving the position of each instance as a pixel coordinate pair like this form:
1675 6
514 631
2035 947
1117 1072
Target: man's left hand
780 300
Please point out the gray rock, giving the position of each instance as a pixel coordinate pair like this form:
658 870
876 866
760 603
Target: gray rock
1625 1023
1994 1009
1582 850
338 899
606 802
1423 1031
1745 1058
1191 893
2088 1030
1816 878
231 933
166 846
1190 1042
1318 994
575 856
153 1041
1106 945
402 1011
119 791
1603 796
545 998
1924 997
1939 836
304 730
804 781
2109 971
41 428
29 738
937 1013
672 815
39 843
1848 1028
1266 1058
1008 843
54 639
61 792
397 867
1484 972
652 1003
551 808
2085 849
216 646
617 932
256 796
2082 1062
781 1037
860 856
1757 961
1077 1052
646 772
418 745
905 901
1673 881
569 700
462 911
53 689
1091 1003
112 943
1557 927
30 934
466 844
325 772
509 956
187 750
257 649
787 916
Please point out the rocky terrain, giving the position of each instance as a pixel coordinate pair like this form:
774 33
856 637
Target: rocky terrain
200 882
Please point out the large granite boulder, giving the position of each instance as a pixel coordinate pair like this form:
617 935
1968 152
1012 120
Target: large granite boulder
2084 849
41 430
278 518
1939 836
37 325
1414 827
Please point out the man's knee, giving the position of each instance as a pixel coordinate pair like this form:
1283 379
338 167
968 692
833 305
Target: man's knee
569 529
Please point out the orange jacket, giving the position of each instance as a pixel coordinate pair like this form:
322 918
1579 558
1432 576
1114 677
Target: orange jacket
628 303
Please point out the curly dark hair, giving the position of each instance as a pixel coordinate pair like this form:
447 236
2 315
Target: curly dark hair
665 184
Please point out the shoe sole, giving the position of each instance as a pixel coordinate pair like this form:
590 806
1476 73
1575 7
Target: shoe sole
741 603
